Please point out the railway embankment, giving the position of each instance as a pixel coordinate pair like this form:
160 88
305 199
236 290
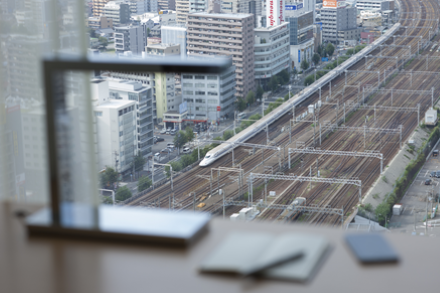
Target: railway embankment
391 186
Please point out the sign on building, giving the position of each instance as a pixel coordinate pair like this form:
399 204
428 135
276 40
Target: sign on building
294 6
183 107
275 12
219 108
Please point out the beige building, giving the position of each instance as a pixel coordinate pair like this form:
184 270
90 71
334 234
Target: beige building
98 22
162 49
182 9
98 6
225 34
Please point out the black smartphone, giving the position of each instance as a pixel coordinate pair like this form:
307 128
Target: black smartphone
371 248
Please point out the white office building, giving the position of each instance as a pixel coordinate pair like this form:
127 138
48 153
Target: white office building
117 143
272 51
379 5
138 7
175 34
205 93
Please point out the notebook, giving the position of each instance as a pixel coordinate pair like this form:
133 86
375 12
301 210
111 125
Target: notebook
241 252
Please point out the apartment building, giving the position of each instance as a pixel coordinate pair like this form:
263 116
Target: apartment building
225 34
166 4
130 38
98 7
175 34
272 51
182 9
209 96
138 7
117 11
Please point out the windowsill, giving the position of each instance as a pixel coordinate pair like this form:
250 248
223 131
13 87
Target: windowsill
59 265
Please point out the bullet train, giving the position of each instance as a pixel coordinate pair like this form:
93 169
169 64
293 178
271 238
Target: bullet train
219 151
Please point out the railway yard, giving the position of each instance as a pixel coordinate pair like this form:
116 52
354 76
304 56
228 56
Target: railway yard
370 108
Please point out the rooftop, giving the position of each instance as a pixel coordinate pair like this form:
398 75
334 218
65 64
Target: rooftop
221 15
115 104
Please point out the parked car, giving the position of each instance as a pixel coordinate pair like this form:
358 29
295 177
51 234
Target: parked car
160 139
428 181
163 131
433 174
170 144
186 150
157 155
165 151
173 132
435 153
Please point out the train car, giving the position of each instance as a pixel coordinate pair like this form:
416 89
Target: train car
287 106
433 47
431 117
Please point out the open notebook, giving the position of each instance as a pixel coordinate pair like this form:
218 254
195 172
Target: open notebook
240 253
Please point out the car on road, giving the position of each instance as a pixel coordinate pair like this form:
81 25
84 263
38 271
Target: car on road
186 150
435 153
428 181
170 144
158 139
163 131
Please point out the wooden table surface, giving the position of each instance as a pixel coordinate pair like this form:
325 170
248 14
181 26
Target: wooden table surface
46 265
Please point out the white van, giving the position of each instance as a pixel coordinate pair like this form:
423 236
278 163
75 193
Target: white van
242 115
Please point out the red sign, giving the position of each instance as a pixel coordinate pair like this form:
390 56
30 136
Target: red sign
219 108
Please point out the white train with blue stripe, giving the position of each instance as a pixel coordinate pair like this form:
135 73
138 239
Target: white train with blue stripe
278 112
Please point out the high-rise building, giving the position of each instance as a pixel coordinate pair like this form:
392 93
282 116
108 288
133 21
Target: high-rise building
338 21
272 51
225 34
117 11
162 50
130 38
182 9
380 5
175 34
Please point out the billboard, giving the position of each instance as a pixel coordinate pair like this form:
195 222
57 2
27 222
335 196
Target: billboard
333 3
294 6
183 108
274 12
299 56
329 4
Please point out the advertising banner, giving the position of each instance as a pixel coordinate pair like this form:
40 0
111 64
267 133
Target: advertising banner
299 56
330 4
183 107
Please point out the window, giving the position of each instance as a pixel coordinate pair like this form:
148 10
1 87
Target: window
199 77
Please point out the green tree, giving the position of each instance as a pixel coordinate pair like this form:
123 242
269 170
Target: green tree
273 83
284 76
144 183
316 58
180 140
330 49
319 50
148 31
250 98
189 133
123 193
138 163
92 33
382 211
304 64
108 178
309 80
349 52
228 134
240 104
260 92
103 41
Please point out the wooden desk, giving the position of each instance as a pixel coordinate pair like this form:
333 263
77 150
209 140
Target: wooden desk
61 266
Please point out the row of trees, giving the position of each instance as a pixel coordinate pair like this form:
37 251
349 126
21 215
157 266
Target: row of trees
182 137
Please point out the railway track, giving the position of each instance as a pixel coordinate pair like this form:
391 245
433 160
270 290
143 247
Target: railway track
364 169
